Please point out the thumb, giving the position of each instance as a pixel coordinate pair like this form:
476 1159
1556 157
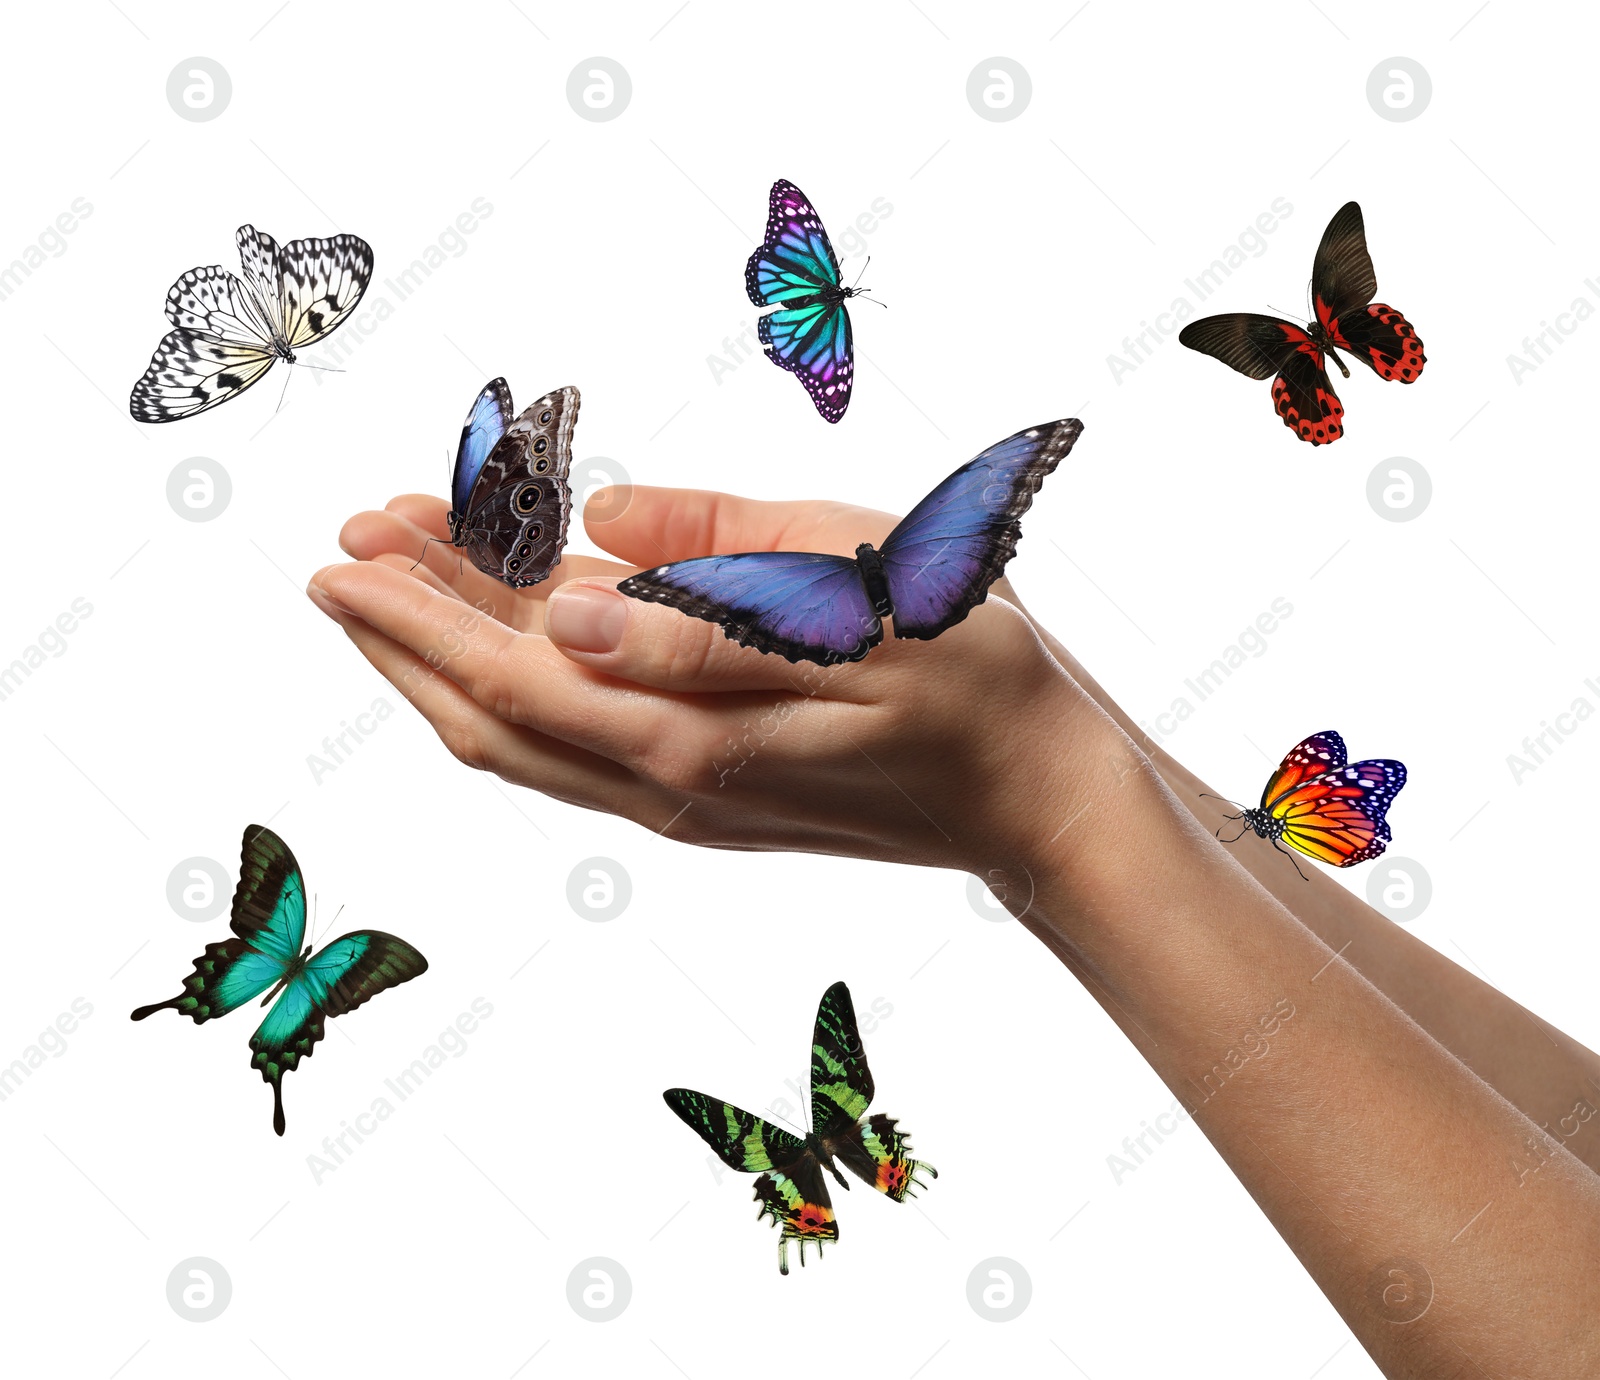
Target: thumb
651 644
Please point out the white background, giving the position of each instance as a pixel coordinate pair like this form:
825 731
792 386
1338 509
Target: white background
1016 258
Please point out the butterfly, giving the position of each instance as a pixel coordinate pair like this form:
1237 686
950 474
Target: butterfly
791 1189
269 925
933 570
1325 806
796 271
230 331
1342 286
510 502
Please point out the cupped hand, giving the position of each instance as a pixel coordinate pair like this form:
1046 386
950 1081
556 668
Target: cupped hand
941 753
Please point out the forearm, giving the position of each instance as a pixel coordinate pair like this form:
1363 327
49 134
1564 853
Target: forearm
1363 1140
1545 1073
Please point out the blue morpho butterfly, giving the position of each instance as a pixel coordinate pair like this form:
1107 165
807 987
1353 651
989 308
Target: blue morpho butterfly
269 926
932 571
509 498
796 271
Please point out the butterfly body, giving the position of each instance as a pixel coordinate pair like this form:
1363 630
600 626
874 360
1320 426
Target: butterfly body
791 1188
229 331
1321 804
510 501
304 989
931 571
1346 318
795 272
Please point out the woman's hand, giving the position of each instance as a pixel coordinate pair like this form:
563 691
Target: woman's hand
932 753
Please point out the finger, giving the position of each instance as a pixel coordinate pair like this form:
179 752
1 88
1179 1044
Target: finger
397 541
653 645
487 743
516 676
428 511
648 526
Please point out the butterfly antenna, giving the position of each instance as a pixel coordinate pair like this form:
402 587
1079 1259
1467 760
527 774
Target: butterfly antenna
865 292
1206 795
785 1120
329 925
287 375
326 368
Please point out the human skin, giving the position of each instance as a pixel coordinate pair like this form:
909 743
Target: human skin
1401 1091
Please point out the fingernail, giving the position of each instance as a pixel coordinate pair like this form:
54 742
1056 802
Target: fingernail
585 618
327 603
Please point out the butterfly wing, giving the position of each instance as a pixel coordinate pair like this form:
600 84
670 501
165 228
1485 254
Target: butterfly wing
1342 277
268 923
348 972
1339 817
1321 752
1254 345
1343 285
795 262
190 373
841 1091
800 605
841 1082
816 343
1382 339
486 423
1304 397
796 271
1258 346
319 283
514 522
942 558
258 257
790 1190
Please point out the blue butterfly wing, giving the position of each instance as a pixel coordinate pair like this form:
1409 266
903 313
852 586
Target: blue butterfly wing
941 560
269 927
816 343
485 425
801 606
796 271
796 260
342 976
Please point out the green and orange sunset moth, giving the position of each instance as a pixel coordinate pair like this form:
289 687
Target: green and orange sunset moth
791 1189
269 927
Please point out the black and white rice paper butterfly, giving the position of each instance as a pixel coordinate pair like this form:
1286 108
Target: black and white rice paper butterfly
230 331
509 498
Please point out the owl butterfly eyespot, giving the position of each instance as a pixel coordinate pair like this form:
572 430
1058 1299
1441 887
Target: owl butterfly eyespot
513 528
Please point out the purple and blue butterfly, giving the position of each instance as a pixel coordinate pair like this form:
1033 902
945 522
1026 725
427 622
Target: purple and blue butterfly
796 271
929 574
